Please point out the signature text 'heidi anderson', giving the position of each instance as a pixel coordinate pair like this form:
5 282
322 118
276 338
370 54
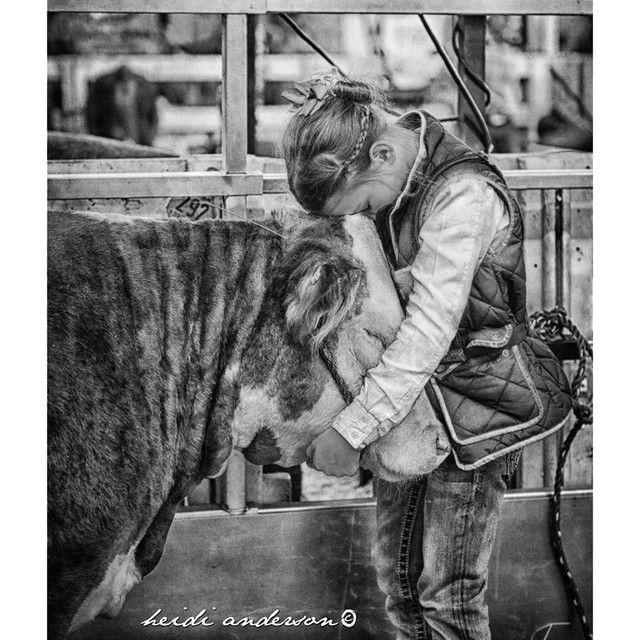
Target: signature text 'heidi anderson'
274 619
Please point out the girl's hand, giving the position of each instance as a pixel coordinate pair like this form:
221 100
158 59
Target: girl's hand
333 455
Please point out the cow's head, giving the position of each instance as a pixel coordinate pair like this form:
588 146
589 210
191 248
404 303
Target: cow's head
334 290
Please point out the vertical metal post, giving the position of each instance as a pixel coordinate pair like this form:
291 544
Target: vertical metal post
548 227
73 95
562 201
550 43
473 50
234 101
235 484
555 289
559 247
550 269
234 160
565 248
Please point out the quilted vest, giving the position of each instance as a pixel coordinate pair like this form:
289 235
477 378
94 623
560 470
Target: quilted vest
499 387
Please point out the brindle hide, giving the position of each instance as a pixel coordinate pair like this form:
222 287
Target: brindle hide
169 343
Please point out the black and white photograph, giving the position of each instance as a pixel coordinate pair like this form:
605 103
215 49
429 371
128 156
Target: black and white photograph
319 319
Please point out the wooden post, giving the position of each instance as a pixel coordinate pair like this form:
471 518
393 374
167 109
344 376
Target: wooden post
234 102
473 50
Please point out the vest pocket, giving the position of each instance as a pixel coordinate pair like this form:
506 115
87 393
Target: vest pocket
491 338
487 397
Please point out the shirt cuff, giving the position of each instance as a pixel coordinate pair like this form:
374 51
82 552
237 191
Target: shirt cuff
355 424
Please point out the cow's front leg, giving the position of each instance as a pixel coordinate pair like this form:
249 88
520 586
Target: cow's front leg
108 597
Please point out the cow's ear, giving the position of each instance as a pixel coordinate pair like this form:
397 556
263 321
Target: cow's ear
322 292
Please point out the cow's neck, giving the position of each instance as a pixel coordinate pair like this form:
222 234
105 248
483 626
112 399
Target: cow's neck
233 304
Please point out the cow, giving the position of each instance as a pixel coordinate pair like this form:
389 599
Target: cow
121 104
557 130
171 343
62 145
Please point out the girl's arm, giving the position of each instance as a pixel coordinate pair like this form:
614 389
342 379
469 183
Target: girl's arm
454 237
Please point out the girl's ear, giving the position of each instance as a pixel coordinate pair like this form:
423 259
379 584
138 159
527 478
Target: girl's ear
381 153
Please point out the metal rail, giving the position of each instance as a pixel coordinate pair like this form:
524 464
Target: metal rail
513 495
518 180
159 184
179 67
433 7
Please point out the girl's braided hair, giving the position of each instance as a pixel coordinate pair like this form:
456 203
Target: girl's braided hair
327 139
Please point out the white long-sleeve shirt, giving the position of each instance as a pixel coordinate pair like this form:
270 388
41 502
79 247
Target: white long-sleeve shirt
454 238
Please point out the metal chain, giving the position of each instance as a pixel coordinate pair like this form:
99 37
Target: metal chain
549 325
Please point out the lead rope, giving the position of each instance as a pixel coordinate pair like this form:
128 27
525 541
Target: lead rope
343 388
549 325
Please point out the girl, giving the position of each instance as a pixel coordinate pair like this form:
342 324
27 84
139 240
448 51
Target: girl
452 232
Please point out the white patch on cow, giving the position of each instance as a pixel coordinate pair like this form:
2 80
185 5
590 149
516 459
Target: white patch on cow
413 448
108 597
256 409
381 310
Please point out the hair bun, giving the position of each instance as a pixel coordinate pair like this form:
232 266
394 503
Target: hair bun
354 91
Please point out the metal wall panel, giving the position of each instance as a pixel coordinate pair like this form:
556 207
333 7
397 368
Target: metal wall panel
317 561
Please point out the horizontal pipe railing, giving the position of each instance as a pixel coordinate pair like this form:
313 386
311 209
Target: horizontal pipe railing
518 180
433 7
162 184
512 495
180 67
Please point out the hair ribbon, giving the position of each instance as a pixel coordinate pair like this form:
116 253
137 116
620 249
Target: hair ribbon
306 97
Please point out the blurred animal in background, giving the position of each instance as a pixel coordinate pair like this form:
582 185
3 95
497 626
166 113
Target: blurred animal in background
569 124
62 145
557 130
121 104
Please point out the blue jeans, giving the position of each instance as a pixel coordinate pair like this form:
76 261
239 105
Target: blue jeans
433 543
